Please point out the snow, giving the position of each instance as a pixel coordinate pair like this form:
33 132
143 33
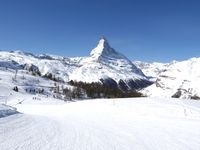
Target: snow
103 59
141 123
151 69
57 65
6 110
176 76
39 121
105 62
25 81
103 49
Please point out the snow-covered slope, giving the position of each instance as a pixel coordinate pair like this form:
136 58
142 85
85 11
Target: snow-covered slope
105 124
103 65
29 86
177 79
57 65
151 70
46 123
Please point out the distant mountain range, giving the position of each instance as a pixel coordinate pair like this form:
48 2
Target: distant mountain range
107 66
104 65
175 79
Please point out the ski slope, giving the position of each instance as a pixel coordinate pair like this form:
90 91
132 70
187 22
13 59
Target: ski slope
104 124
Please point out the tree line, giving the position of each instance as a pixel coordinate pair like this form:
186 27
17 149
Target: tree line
99 90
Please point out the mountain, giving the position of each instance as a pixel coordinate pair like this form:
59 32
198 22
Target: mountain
58 66
107 65
151 70
175 79
104 65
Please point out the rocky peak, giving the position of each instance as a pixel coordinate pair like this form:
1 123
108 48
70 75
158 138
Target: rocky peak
103 49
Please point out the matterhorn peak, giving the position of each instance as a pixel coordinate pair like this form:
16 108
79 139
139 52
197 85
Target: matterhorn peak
103 43
103 49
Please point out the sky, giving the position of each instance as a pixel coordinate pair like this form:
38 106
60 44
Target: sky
146 30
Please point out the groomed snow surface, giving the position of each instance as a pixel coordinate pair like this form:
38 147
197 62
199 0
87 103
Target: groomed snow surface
104 124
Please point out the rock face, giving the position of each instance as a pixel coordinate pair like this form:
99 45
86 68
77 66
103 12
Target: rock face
32 68
103 50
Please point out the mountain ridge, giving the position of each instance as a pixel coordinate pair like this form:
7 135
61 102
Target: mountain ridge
177 79
104 64
107 66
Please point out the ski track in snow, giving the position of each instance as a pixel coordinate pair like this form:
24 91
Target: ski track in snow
121 124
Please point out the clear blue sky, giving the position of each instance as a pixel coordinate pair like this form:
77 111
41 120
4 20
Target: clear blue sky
147 30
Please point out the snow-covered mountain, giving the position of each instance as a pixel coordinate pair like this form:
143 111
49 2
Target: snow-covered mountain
107 65
175 79
151 70
104 65
59 66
